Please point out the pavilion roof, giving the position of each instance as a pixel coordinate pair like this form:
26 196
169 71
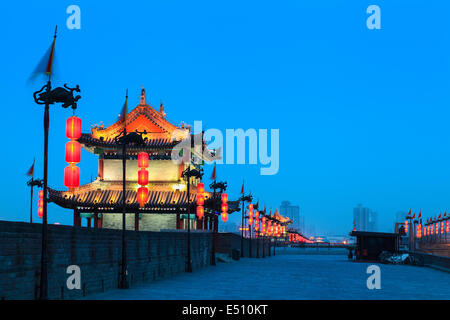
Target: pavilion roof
280 218
160 132
92 197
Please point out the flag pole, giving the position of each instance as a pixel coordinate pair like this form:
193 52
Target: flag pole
123 279
43 288
31 204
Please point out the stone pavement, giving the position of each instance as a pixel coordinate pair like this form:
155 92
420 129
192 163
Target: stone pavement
292 276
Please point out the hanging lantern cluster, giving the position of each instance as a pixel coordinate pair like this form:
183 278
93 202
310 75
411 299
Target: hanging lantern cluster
73 153
250 214
418 231
256 221
41 204
406 226
269 228
263 225
142 192
200 200
224 214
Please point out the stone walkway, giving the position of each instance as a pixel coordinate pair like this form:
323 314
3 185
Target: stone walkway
292 276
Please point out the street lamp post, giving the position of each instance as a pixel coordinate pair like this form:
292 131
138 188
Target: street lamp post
124 138
32 183
187 174
247 198
46 96
222 186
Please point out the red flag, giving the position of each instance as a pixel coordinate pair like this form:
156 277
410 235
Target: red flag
124 111
420 214
30 171
414 216
242 189
45 66
409 213
439 216
213 176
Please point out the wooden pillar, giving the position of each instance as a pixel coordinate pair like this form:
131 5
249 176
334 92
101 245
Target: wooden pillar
200 224
136 221
76 219
179 225
100 168
210 224
95 220
99 221
88 222
205 223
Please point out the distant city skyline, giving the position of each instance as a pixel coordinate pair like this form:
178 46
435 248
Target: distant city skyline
365 219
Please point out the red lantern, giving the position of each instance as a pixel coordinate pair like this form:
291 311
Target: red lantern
224 216
224 207
72 176
224 197
142 196
143 177
73 152
250 207
200 212
200 188
73 128
143 160
41 203
41 212
200 199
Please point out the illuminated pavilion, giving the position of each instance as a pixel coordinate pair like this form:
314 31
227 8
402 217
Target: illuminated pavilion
101 200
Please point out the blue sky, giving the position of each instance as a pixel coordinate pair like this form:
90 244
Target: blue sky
363 114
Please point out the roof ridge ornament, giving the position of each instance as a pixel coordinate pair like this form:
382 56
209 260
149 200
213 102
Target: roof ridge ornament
161 110
142 96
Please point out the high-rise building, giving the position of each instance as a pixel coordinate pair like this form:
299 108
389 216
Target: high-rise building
293 213
373 221
400 216
365 219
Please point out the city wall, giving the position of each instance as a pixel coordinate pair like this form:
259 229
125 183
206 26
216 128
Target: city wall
151 256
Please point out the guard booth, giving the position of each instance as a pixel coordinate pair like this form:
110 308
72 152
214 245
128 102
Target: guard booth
369 245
